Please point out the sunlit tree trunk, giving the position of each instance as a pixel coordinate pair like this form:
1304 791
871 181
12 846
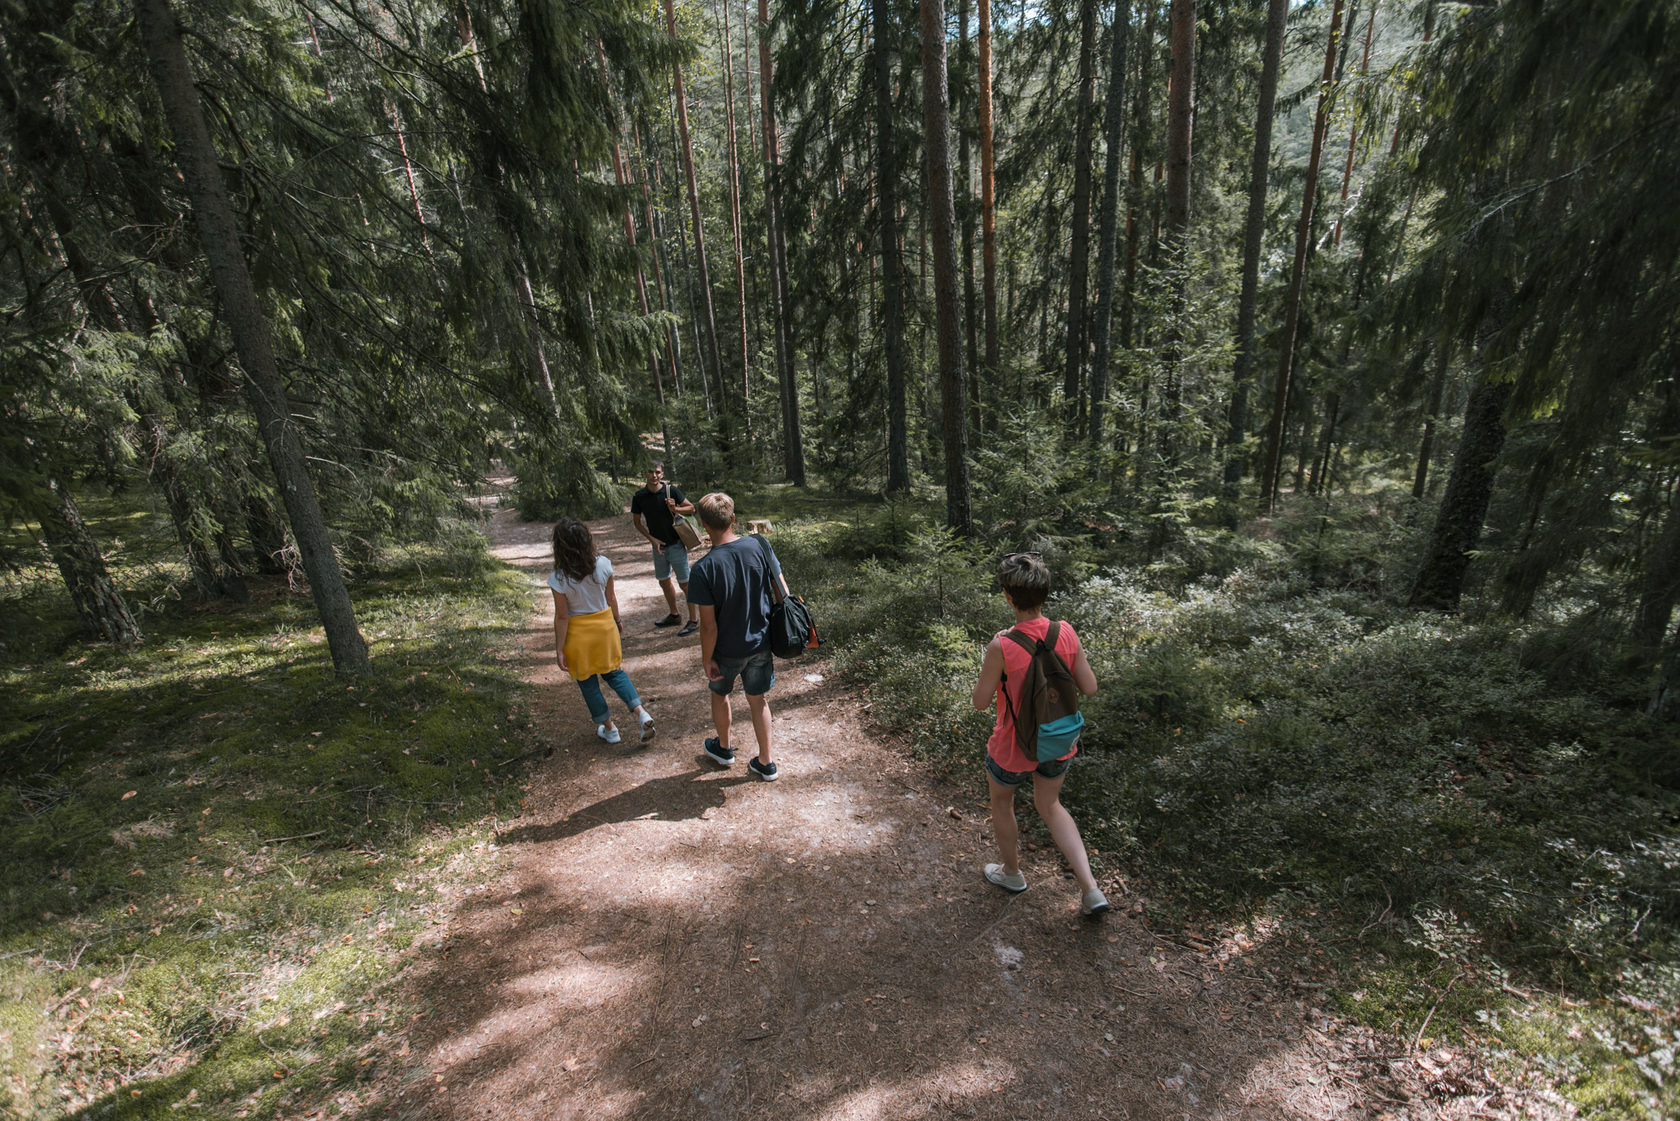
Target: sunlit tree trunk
733 163
988 205
1108 229
708 322
1297 275
101 608
793 439
1353 129
936 112
219 236
1254 230
1079 253
892 269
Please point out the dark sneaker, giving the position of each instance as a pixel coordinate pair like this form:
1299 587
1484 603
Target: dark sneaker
669 621
722 756
765 771
689 628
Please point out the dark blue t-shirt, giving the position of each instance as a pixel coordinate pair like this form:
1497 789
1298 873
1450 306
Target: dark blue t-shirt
736 579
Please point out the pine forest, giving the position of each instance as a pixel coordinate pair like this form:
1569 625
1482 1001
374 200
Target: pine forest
1325 352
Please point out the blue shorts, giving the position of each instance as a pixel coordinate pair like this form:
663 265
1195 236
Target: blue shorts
668 559
756 671
1053 768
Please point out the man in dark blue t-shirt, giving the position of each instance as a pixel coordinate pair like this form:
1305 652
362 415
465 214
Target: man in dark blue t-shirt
732 585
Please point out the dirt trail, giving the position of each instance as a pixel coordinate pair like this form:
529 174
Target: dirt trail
672 939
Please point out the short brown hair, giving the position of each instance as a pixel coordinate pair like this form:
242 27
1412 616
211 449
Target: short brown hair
1026 578
717 510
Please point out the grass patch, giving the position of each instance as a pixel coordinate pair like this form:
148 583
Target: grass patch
220 856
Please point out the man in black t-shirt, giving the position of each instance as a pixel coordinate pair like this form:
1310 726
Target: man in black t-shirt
653 510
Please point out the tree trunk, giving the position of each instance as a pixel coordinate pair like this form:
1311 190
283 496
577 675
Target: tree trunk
792 439
1079 255
1661 586
892 269
708 321
988 205
733 151
1458 523
965 220
196 158
1353 129
101 608
1254 229
1426 446
1297 276
1108 233
1176 234
936 112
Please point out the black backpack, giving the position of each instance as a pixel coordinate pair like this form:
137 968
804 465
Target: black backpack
792 630
1049 722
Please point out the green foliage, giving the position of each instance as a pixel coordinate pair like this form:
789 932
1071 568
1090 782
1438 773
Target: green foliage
1450 788
225 852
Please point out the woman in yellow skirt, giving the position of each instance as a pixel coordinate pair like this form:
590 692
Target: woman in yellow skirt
587 627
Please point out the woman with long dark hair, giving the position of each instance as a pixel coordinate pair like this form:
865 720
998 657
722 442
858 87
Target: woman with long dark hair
587 627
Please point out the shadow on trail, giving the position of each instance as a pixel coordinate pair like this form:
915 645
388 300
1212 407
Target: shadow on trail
679 797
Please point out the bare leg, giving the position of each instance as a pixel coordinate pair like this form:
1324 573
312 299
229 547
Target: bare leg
760 708
669 587
1004 828
720 718
1047 796
693 611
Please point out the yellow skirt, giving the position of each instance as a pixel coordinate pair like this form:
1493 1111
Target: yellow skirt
592 645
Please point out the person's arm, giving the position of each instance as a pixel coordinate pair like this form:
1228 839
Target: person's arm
680 504
641 528
1083 679
612 602
562 622
991 672
708 641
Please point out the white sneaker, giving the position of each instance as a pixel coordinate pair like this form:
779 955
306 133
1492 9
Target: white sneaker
647 726
609 734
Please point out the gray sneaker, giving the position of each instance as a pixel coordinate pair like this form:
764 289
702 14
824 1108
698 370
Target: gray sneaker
1093 902
1014 884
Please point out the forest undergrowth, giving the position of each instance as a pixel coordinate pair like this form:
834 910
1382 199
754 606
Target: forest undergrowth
1469 819
221 858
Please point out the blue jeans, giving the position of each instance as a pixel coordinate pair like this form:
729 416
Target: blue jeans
590 687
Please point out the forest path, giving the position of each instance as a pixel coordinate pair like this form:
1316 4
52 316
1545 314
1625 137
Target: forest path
668 938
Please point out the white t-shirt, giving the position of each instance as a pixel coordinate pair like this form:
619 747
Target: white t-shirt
586 596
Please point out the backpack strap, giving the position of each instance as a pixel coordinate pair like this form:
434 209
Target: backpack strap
775 584
1030 645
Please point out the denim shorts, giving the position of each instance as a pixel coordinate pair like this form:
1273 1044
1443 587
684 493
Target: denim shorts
1053 768
668 559
756 671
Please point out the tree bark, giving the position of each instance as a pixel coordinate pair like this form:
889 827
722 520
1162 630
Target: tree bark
988 205
167 59
101 608
1297 276
892 268
1458 523
1108 230
792 438
936 111
1353 129
708 321
1426 446
733 149
1079 249
1254 230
